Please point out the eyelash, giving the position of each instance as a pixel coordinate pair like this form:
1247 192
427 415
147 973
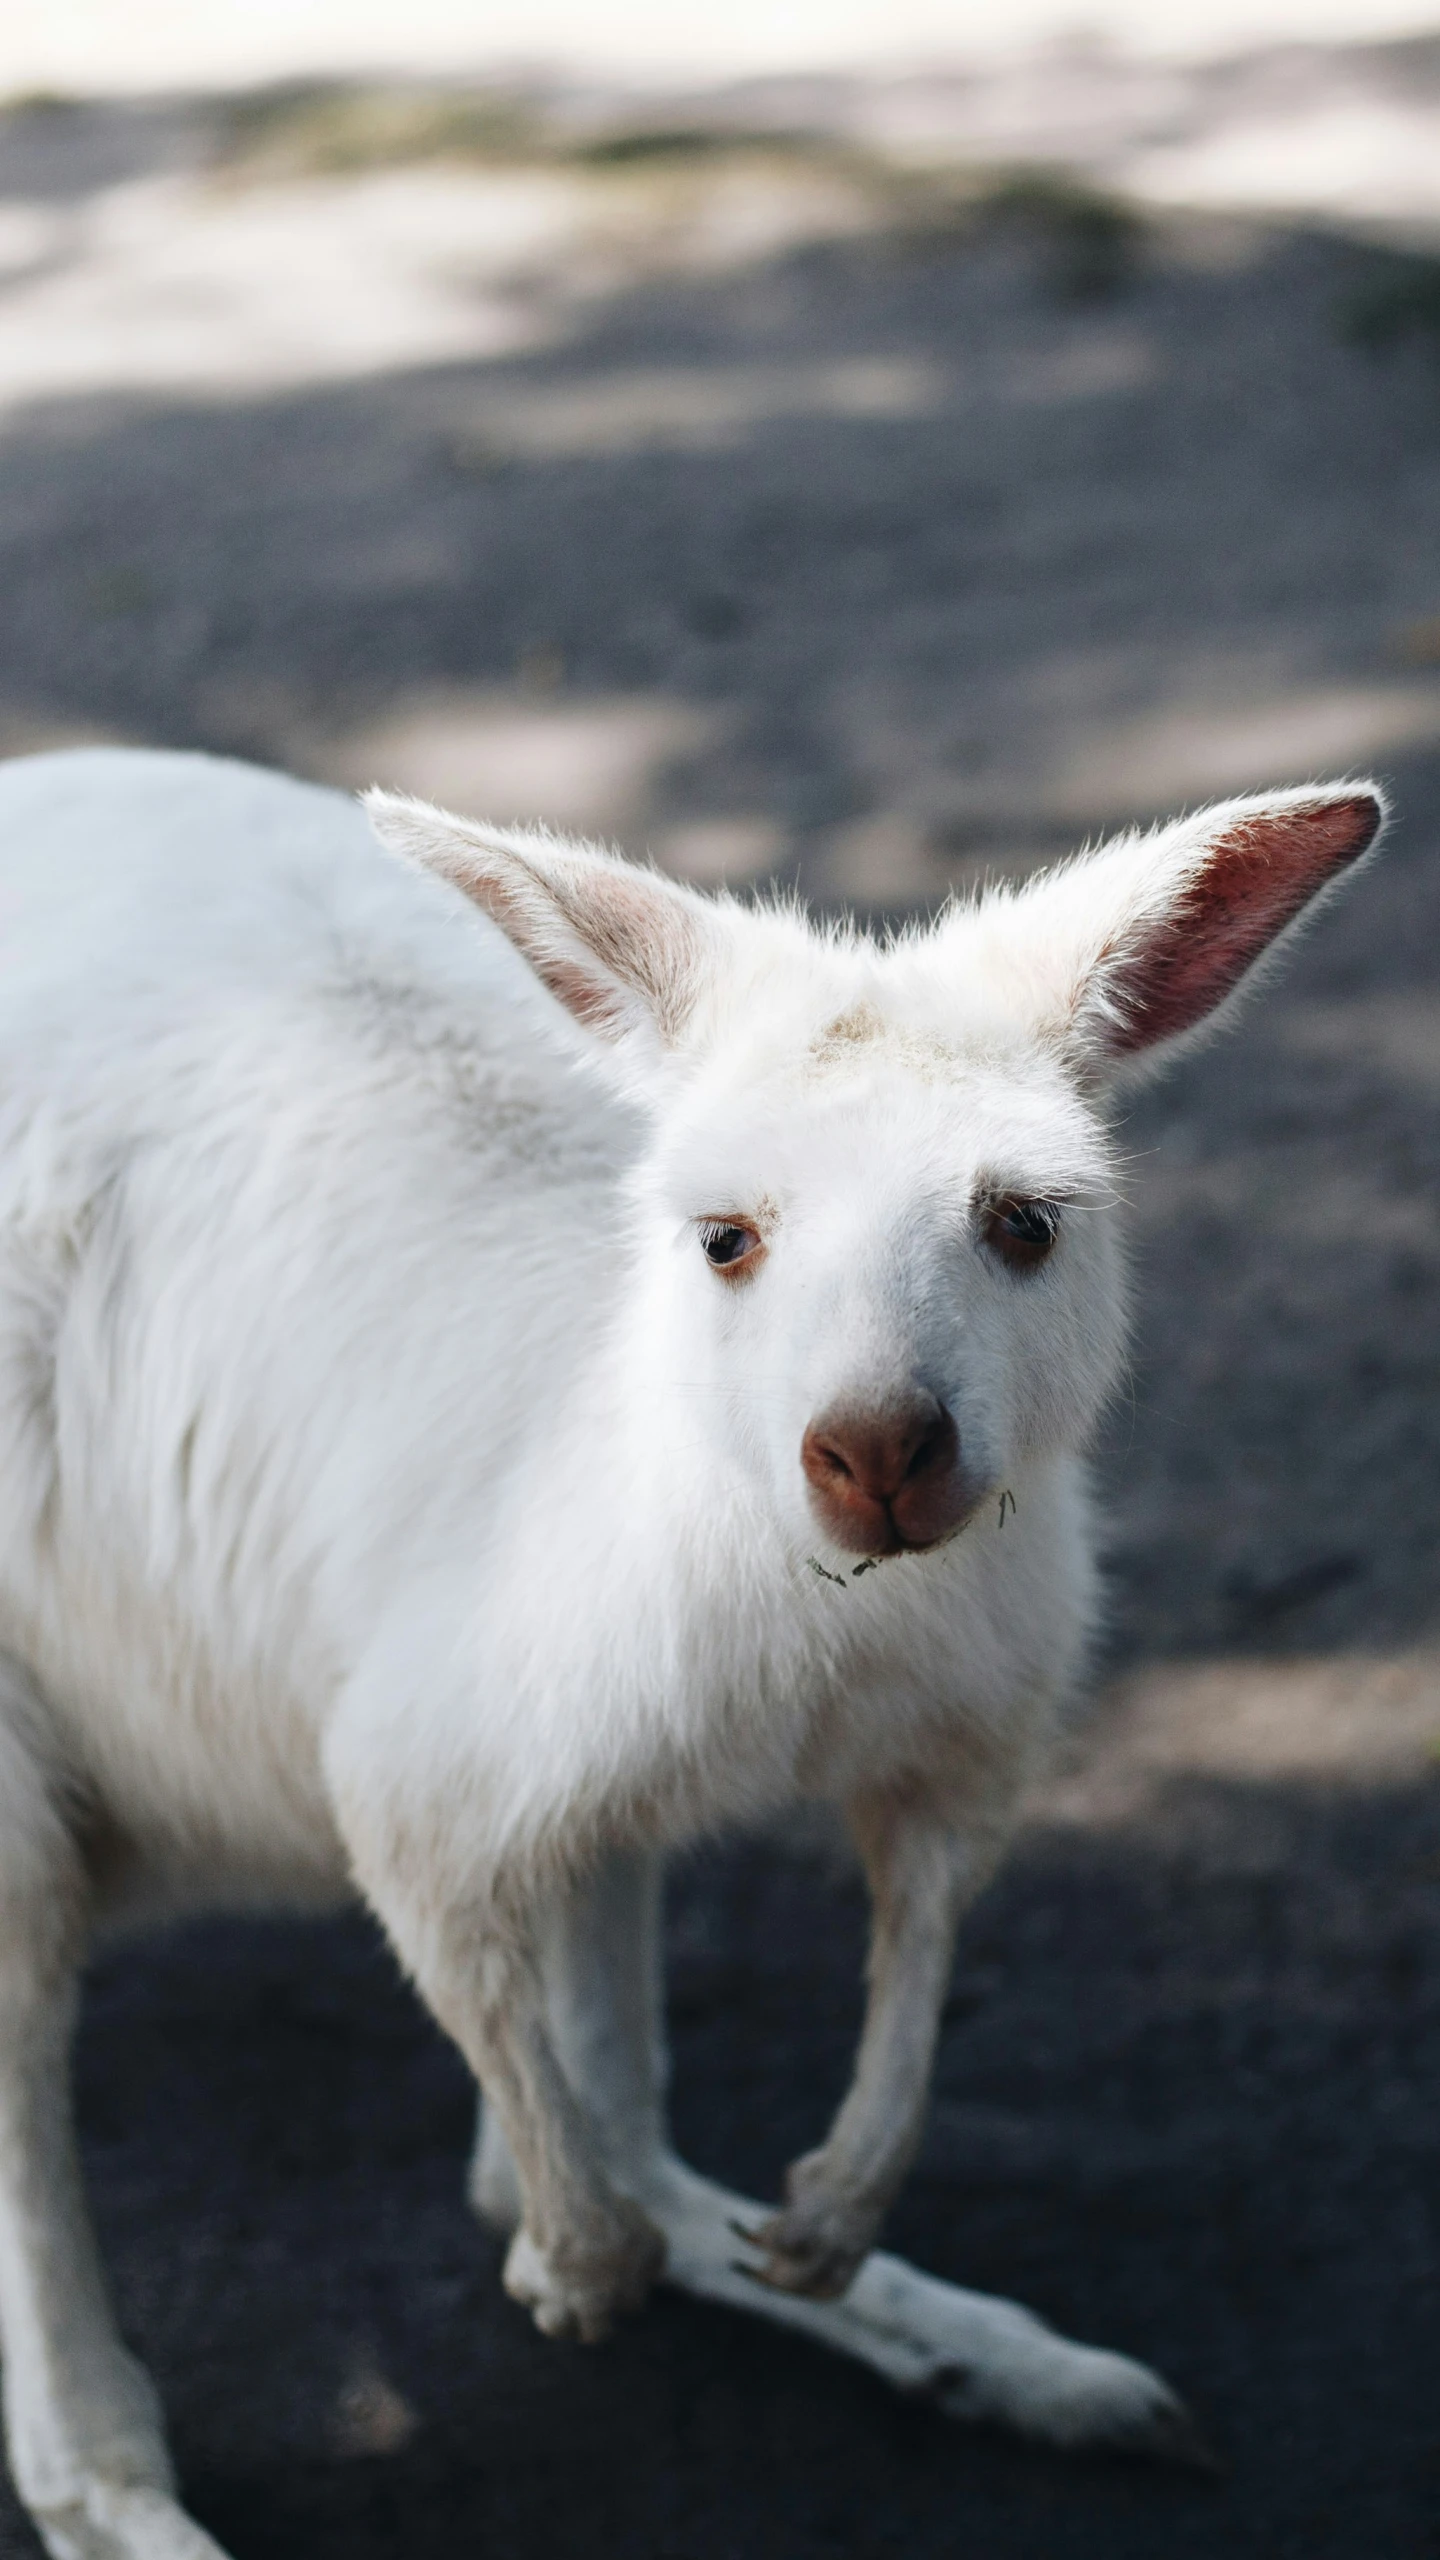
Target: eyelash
716 1231
1022 1232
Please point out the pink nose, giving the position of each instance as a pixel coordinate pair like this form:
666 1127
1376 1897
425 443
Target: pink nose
886 1478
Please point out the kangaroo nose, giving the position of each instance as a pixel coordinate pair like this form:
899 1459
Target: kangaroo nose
883 1478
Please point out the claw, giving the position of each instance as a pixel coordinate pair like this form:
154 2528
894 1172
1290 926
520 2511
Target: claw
1170 2434
810 2268
810 2285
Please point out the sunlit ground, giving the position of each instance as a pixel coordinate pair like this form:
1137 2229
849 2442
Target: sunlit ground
1332 1719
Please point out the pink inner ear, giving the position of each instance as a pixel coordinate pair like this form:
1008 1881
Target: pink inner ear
594 938
1254 881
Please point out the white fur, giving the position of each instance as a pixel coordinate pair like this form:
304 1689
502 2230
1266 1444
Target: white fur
392 1499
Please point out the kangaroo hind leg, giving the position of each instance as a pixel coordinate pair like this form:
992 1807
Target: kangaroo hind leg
82 2423
604 1996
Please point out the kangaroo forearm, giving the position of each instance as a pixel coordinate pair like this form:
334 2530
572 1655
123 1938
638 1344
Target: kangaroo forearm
921 1873
877 2130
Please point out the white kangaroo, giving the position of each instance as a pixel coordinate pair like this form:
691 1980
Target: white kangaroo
478 1407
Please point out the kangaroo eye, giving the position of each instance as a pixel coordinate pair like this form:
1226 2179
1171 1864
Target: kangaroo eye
729 1244
1022 1232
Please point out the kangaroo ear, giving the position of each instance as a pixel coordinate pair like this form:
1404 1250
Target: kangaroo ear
623 949
1126 951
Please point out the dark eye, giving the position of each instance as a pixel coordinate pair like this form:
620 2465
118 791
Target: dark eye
729 1244
1022 1232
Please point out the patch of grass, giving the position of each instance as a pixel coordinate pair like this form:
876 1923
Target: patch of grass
38 103
1090 242
660 142
644 145
1395 296
307 129
326 128
1087 243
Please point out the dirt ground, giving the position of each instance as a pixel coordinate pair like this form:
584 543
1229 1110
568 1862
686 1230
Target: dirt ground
874 561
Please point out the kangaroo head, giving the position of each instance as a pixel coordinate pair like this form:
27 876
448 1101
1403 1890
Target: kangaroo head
874 1217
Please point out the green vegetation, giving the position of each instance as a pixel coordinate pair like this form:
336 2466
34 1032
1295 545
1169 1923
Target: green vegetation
681 143
38 102
306 129
323 128
1089 242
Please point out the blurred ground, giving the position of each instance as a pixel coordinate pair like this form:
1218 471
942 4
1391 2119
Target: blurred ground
801 513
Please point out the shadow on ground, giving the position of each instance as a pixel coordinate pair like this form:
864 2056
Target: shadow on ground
1186 2104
